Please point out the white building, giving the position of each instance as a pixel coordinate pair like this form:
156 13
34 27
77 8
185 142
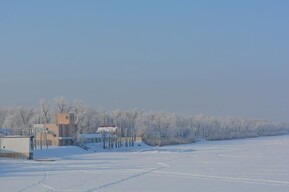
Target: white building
16 147
107 129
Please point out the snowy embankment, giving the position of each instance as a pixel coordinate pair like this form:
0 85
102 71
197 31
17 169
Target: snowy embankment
256 164
53 153
57 152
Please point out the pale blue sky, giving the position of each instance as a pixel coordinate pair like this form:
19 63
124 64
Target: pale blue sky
221 58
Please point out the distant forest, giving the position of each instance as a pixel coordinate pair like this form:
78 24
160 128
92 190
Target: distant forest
156 128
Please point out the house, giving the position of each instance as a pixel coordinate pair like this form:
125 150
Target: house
107 136
108 129
16 146
62 132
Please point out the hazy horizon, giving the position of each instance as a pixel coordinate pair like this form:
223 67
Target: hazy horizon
187 57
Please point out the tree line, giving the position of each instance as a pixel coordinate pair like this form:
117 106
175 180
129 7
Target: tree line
156 128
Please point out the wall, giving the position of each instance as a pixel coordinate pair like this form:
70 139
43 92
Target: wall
54 128
64 134
16 147
64 118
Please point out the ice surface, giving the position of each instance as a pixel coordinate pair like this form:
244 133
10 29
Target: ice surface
258 164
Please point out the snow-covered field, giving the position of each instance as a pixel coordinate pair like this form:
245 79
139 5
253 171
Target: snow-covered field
258 164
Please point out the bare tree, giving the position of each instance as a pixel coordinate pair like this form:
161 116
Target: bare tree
11 119
26 115
156 128
61 104
45 110
80 110
3 113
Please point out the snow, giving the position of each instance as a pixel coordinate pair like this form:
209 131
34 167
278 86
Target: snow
258 164
58 152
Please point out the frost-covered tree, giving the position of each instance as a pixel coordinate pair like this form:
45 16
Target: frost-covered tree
45 109
26 115
156 128
11 119
61 104
19 119
3 113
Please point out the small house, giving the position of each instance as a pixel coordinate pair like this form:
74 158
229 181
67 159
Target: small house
16 146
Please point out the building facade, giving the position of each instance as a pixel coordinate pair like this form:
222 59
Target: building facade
16 146
62 132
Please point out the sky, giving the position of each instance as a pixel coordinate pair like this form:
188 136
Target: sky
219 58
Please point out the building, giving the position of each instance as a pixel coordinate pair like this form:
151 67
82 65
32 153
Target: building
16 146
109 137
62 132
108 129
